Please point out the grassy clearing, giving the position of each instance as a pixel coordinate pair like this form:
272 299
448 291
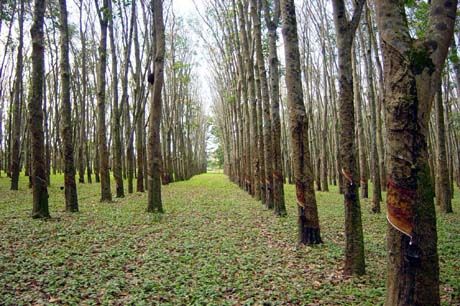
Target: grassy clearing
214 245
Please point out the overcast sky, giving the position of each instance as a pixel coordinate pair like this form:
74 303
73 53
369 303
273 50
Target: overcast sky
186 7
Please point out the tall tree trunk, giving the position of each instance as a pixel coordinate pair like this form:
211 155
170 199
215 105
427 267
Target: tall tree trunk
39 182
323 133
309 231
261 144
354 245
103 154
266 179
443 196
154 148
82 146
124 99
139 117
116 112
17 106
362 156
379 101
253 139
412 72
278 180
243 97
324 151
374 156
47 138
71 198
89 146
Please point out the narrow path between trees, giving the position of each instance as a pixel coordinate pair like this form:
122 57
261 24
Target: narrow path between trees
214 245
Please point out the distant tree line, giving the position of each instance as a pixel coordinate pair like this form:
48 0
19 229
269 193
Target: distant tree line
349 103
84 97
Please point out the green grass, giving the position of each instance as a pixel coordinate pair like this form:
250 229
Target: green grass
214 245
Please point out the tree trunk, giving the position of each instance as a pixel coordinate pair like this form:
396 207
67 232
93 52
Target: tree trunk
362 156
253 137
374 156
309 231
442 171
278 180
89 166
139 118
70 187
323 133
116 112
412 72
266 180
103 154
354 249
83 147
17 106
154 148
39 182
379 102
129 130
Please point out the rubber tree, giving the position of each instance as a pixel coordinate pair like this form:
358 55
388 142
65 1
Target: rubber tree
156 82
345 31
412 72
272 20
70 187
39 183
106 193
308 221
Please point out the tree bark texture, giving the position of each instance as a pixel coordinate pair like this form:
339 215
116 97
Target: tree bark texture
412 70
70 187
443 197
308 221
154 147
17 106
106 193
278 179
354 245
39 183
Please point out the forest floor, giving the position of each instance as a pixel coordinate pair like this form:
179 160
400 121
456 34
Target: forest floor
215 245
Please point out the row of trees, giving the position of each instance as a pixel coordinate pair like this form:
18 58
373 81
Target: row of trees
88 85
356 107
360 81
